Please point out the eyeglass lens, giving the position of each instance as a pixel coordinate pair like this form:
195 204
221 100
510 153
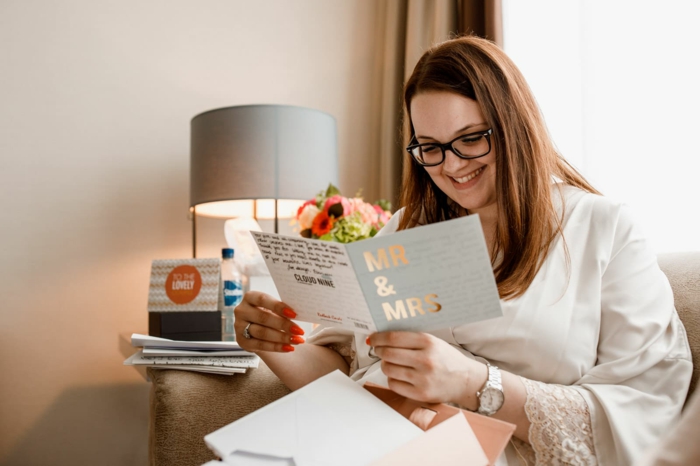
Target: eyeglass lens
471 145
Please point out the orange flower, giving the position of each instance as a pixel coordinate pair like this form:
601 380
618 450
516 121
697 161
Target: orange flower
322 224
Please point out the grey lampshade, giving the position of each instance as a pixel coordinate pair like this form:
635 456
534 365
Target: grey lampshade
255 152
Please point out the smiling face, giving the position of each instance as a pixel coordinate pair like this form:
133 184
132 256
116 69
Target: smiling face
442 117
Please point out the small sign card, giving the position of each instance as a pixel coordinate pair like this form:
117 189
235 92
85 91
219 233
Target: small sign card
179 285
425 278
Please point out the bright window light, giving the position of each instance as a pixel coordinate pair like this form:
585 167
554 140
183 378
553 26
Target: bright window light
618 84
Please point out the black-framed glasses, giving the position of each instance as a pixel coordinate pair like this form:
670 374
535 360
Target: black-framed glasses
467 146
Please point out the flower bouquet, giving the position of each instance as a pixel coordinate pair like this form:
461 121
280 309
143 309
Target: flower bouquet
332 217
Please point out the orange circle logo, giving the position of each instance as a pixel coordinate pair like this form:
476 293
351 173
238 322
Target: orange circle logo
183 284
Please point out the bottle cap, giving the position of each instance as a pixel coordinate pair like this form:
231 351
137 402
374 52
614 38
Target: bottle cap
227 253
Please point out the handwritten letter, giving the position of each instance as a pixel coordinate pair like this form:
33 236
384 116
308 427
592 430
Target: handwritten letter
316 279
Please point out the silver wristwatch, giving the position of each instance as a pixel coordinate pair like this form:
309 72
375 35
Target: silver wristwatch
491 394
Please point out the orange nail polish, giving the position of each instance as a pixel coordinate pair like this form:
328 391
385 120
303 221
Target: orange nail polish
289 313
287 348
296 340
296 330
367 341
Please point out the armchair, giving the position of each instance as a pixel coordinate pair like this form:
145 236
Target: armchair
185 406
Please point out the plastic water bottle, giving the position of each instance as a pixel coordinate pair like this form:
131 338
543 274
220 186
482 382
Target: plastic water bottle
232 286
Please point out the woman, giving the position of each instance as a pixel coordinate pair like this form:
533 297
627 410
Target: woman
590 360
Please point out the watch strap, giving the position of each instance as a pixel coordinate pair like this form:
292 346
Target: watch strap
494 380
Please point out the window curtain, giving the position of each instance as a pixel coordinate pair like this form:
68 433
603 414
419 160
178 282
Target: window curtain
483 18
406 29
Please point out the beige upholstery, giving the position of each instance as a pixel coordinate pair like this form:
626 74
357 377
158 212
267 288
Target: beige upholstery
683 271
185 406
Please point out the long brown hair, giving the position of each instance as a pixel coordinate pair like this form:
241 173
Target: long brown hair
526 159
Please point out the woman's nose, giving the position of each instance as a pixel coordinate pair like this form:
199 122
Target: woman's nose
452 163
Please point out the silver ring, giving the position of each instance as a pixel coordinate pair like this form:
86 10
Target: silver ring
246 333
371 353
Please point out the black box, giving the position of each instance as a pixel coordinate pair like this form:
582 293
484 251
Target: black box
186 325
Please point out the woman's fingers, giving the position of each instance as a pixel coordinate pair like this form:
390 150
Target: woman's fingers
258 299
408 340
262 338
399 356
255 344
409 349
398 372
268 324
266 311
261 332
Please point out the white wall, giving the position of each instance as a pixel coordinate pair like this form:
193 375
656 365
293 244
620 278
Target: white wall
95 103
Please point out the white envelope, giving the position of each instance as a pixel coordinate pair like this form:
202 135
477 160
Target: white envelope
329 421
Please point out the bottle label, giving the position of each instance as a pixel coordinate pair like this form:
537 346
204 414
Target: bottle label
233 293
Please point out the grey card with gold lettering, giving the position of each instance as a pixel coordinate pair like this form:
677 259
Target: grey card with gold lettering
425 278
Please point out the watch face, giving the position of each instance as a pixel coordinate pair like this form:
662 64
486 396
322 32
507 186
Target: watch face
491 399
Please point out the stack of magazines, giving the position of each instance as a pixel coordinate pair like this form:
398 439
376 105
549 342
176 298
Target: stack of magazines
216 357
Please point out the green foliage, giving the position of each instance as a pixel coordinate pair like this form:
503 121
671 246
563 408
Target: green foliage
384 204
350 228
331 190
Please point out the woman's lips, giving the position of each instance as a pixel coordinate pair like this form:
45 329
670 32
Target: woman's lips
468 180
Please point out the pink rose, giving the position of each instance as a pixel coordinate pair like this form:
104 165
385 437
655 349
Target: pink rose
384 215
367 213
355 205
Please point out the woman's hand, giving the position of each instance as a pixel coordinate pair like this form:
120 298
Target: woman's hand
425 368
271 328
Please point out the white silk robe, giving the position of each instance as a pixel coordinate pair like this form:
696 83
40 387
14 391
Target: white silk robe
604 326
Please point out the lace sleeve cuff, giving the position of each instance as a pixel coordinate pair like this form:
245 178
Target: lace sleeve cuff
339 340
345 350
560 424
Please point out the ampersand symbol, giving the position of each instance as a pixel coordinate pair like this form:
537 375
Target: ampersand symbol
382 289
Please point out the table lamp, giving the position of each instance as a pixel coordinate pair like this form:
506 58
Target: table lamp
260 161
